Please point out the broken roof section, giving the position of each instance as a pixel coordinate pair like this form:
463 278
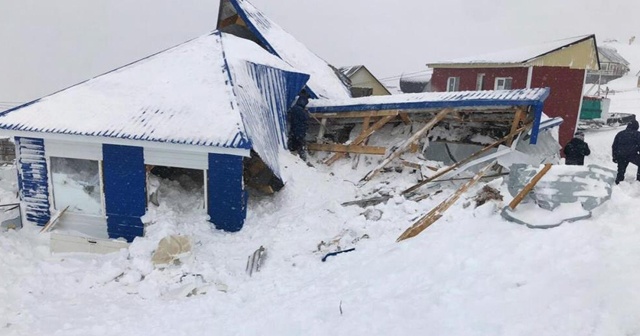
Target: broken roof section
241 18
217 91
432 101
535 55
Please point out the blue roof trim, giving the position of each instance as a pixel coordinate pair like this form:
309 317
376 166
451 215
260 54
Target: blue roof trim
450 102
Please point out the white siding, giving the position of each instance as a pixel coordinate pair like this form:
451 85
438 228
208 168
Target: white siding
180 159
73 150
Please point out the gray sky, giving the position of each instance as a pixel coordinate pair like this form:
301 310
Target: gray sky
48 45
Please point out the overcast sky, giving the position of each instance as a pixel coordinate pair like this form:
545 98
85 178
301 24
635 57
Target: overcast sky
47 45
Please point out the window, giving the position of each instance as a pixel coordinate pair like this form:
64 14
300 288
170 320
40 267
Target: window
503 83
76 184
453 83
479 82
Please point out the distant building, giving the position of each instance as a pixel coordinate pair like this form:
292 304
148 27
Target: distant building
363 82
560 65
612 66
416 82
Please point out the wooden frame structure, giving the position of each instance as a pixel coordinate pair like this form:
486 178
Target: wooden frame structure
499 114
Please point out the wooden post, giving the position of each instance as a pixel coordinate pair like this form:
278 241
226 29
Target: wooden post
436 213
468 159
402 148
323 127
521 195
365 125
360 138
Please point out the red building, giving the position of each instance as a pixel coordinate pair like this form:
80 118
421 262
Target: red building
559 65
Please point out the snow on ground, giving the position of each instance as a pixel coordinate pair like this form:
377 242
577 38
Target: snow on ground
471 273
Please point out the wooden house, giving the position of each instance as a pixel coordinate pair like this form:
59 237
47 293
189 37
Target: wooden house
559 65
363 82
612 66
210 105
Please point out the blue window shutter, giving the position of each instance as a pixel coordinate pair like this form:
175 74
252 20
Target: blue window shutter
33 179
227 200
124 190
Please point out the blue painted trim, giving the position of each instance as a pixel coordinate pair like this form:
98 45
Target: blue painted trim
535 130
425 105
124 190
33 179
227 199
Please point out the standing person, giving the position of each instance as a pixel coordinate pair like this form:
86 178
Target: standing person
299 122
576 149
626 149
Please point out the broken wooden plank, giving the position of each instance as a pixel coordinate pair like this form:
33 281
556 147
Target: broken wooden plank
357 114
412 139
340 148
53 220
523 193
437 212
468 159
363 203
360 138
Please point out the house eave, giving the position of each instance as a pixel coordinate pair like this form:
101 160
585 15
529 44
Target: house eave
128 142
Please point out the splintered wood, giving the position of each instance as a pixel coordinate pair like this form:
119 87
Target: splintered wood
363 136
467 160
437 212
407 144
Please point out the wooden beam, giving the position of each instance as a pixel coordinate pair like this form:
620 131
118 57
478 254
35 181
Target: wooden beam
437 212
340 148
405 118
468 159
365 124
358 114
519 116
362 137
412 139
523 193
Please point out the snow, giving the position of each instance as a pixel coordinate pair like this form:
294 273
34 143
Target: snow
517 55
470 273
324 82
181 95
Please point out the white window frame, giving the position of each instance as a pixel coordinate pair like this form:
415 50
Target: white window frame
503 86
453 84
479 82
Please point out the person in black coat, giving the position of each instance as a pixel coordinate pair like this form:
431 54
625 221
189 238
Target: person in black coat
298 124
626 149
576 149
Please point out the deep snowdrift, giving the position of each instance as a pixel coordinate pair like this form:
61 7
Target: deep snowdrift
471 273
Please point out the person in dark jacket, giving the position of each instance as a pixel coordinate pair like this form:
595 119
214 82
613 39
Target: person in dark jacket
575 150
298 123
626 149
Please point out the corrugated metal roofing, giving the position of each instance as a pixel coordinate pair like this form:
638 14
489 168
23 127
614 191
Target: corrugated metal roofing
183 95
427 100
324 82
517 55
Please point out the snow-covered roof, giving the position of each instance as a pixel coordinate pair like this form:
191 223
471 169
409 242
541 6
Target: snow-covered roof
518 55
350 70
429 100
612 55
324 82
188 94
